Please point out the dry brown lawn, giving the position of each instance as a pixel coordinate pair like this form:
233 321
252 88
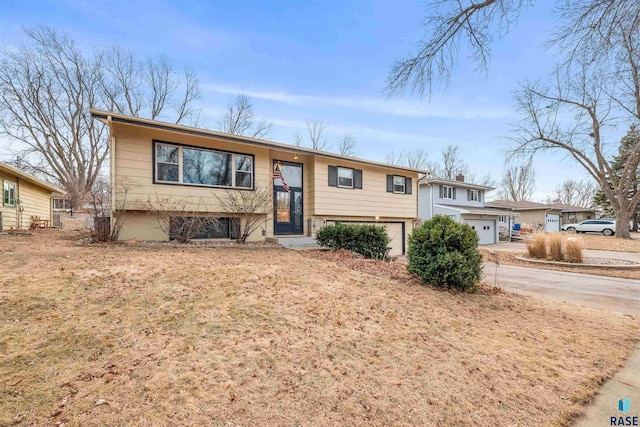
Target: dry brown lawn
152 336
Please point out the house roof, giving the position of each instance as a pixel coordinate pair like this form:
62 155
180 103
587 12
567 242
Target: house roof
430 181
571 208
106 117
32 179
520 205
528 206
474 211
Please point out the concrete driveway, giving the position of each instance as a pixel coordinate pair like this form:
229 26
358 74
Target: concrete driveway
608 293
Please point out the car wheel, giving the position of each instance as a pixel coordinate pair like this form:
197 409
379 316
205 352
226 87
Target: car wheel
571 230
607 232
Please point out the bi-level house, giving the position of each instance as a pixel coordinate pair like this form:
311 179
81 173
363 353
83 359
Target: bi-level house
175 162
462 201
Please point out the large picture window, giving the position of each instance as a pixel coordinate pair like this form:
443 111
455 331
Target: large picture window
198 166
9 194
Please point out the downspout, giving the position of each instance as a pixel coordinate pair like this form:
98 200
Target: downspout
112 164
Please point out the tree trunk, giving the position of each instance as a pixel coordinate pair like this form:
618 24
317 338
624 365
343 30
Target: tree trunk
622 224
635 221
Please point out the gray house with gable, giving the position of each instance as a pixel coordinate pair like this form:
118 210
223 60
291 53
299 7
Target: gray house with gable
462 201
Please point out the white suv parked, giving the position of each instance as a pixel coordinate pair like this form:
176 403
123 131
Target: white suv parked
604 226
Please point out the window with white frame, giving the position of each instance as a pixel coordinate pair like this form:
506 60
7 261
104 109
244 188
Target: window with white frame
345 177
61 204
399 183
503 218
9 194
202 167
474 195
447 192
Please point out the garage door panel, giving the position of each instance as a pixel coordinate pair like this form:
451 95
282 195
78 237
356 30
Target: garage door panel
486 229
552 223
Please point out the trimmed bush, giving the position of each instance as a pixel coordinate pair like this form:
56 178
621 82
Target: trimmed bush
445 253
371 241
573 251
555 247
537 247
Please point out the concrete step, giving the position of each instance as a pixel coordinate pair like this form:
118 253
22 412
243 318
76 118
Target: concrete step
297 242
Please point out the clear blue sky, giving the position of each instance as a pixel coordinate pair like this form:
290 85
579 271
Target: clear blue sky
324 60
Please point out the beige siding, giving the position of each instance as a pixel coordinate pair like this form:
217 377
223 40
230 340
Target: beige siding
133 170
532 218
139 225
371 201
33 200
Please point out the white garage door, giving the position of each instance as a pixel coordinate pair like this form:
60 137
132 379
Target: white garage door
552 223
486 229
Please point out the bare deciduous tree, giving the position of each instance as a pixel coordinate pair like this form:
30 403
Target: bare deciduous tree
576 193
250 207
417 159
452 163
297 138
347 145
590 98
316 130
487 180
447 25
47 88
452 27
108 219
518 183
240 119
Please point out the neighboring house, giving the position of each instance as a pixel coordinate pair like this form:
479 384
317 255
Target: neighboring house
65 216
173 162
464 202
538 216
572 214
23 197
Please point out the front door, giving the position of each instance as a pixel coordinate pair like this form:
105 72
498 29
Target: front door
288 213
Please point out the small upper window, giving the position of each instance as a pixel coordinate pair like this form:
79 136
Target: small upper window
474 195
9 194
244 171
167 159
399 184
447 192
345 177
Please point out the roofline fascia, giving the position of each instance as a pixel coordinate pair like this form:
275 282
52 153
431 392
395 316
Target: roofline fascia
17 172
103 116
